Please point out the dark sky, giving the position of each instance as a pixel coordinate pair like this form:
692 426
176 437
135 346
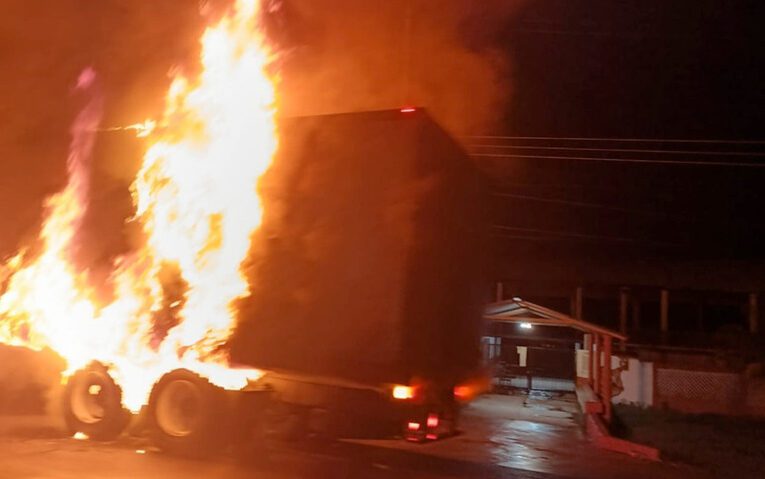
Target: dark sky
644 68
633 69
595 68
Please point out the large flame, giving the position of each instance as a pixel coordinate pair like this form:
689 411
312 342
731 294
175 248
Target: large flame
195 197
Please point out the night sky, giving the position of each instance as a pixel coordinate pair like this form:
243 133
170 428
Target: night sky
633 69
641 68
550 68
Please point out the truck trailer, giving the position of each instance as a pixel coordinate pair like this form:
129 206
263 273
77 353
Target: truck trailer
366 289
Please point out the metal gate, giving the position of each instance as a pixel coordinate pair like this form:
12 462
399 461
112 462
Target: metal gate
524 366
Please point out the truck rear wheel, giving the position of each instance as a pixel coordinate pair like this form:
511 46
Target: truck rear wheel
93 404
188 415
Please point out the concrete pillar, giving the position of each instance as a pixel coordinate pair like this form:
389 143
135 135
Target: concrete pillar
591 361
623 303
576 310
595 363
664 311
606 378
754 314
635 313
499 294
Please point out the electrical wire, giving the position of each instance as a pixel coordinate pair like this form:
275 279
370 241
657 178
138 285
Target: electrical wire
622 160
632 140
574 235
624 150
576 203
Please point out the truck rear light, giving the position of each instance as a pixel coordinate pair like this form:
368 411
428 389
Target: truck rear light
408 109
403 392
463 393
413 426
431 436
432 421
469 390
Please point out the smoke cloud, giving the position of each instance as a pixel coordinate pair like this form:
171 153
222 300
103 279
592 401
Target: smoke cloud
333 56
349 55
132 46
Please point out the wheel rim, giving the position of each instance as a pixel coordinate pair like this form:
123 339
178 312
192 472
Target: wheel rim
88 398
179 408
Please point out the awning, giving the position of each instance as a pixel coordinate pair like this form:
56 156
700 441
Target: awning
517 310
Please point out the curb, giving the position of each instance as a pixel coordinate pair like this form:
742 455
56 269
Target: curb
599 435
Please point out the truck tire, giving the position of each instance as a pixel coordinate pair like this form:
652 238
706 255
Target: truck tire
92 404
188 415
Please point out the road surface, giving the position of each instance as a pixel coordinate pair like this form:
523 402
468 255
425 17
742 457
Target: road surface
503 437
65 458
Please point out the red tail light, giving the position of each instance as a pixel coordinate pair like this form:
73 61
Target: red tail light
462 392
432 421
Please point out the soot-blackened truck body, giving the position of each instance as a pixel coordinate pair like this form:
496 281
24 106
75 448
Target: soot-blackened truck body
365 303
367 267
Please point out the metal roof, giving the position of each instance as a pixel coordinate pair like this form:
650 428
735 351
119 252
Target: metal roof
517 310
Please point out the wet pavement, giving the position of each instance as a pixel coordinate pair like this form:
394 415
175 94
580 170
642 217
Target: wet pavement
70 459
504 437
539 433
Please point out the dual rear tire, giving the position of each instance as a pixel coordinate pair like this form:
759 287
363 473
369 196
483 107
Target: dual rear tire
186 414
189 416
92 404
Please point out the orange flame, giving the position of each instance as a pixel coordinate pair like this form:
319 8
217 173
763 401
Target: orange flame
46 302
195 197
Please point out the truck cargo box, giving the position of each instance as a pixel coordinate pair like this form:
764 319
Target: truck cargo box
368 264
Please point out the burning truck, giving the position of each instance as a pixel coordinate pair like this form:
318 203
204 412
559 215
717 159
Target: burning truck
304 275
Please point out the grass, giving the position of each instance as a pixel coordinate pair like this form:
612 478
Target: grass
723 445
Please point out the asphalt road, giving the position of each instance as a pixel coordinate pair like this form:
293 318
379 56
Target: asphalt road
503 437
65 458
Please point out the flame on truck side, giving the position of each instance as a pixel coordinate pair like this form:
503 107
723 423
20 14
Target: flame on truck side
196 200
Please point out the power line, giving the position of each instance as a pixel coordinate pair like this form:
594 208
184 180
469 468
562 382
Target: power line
530 238
623 160
600 33
557 238
577 203
632 140
573 235
621 189
625 150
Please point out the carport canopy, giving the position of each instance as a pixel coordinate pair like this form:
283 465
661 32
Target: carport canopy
517 310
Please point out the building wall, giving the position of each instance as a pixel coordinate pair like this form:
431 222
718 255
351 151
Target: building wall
637 378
